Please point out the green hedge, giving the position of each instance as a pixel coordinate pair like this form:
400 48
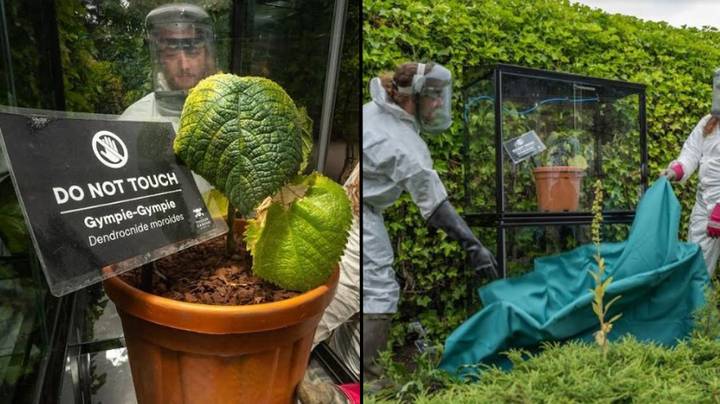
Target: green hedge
675 64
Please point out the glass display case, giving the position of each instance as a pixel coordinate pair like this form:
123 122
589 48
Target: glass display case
92 57
535 144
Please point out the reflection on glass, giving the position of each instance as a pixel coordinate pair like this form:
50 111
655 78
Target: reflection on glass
99 377
589 132
22 330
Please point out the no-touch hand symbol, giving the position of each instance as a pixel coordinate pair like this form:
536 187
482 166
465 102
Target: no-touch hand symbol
109 149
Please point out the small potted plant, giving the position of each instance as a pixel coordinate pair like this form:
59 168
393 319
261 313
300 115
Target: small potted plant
558 179
218 340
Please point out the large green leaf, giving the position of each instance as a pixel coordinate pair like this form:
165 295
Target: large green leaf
298 236
243 135
306 124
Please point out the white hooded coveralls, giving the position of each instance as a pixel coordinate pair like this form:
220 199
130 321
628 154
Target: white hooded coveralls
703 151
395 159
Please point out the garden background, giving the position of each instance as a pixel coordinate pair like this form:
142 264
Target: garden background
676 65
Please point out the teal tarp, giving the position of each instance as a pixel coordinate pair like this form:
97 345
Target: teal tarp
661 281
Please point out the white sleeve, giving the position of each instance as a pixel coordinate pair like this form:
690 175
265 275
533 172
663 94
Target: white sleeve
409 172
692 150
427 191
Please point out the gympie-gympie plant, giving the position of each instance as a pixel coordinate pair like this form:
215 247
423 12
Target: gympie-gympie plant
245 136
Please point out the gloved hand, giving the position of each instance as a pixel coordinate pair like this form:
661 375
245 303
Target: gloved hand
481 259
713 226
673 173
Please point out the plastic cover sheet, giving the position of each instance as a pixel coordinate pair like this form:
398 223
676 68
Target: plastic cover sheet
661 281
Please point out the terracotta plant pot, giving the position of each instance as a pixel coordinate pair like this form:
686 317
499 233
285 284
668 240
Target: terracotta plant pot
195 353
558 188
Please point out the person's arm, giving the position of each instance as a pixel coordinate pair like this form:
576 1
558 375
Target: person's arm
407 171
686 164
412 174
481 259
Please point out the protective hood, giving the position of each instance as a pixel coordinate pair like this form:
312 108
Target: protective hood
380 97
432 89
182 50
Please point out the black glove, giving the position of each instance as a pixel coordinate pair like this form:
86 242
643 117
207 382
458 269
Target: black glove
481 259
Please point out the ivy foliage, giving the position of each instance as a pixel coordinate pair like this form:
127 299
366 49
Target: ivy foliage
675 64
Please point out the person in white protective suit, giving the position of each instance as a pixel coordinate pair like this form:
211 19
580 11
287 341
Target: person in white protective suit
182 50
181 40
396 160
702 150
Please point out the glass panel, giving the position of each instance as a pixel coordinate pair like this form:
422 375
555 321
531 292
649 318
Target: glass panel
479 118
344 148
27 310
524 244
99 377
591 132
23 330
96 316
29 75
106 63
288 42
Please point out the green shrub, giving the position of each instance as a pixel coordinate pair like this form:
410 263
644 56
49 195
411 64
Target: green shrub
577 373
707 317
629 371
675 64
405 383
633 372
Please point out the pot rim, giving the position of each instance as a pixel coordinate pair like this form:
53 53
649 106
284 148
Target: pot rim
546 169
218 319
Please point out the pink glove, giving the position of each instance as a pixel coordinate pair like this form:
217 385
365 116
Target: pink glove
677 169
352 392
713 227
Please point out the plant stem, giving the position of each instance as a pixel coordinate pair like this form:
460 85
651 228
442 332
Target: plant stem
230 244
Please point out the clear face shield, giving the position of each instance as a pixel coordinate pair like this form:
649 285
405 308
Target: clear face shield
434 95
715 110
182 50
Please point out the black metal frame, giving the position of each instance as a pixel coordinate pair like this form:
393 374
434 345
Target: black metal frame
56 314
53 365
503 220
333 365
